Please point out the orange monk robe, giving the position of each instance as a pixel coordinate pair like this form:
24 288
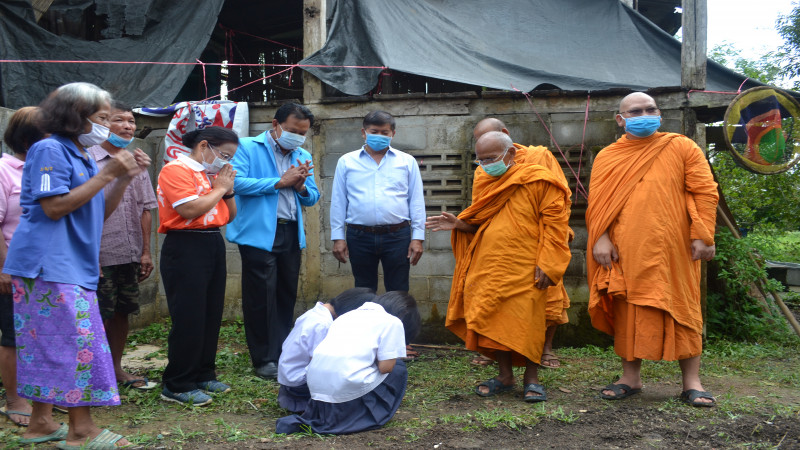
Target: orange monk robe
653 196
557 298
494 305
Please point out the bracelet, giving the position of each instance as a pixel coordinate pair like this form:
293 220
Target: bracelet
229 196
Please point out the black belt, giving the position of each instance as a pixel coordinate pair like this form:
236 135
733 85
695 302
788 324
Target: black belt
285 221
195 230
380 229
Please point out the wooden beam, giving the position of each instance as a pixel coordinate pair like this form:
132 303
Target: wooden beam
40 7
693 46
314 32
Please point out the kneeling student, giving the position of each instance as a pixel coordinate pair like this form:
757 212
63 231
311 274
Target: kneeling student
309 330
355 378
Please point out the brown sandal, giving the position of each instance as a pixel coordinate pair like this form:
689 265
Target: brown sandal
547 361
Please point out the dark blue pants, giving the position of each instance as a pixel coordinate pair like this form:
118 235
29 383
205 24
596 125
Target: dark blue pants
391 250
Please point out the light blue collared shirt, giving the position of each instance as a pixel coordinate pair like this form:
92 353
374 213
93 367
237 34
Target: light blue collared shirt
286 204
368 193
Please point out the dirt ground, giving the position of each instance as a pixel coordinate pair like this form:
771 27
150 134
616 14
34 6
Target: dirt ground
574 417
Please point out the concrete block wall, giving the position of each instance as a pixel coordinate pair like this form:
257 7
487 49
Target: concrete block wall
437 130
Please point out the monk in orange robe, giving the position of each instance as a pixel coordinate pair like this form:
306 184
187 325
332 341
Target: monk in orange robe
557 298
651 219
510 245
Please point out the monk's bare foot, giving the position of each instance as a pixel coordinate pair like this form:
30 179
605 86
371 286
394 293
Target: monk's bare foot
634 384
506 381
19 405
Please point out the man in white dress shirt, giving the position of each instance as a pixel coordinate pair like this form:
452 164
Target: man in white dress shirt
377 208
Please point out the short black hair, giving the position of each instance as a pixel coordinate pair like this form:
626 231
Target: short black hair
121 106
66 110
403 306
351 299
215 136
294 109
378 118
22 130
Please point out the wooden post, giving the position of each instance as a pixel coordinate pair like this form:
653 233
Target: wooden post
693 47
40 7
314 34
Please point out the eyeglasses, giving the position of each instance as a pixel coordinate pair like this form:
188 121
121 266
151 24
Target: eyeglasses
639 111
487 161
223 156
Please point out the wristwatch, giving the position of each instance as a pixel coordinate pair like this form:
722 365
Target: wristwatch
229 196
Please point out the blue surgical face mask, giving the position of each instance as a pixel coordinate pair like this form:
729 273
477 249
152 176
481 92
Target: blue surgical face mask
642 126
117 141
289 140
378 142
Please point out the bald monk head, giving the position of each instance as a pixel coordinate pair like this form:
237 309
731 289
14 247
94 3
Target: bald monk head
639 115
488 124
492 147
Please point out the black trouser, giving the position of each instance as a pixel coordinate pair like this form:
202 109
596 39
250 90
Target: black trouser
269 292
390 249
193 270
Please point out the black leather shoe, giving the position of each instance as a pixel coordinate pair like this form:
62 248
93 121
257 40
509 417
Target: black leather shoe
268 371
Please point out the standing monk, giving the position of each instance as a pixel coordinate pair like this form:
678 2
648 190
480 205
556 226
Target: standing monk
497 300
651 216
557 298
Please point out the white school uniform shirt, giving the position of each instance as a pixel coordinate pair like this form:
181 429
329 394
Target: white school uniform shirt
309 330
344 366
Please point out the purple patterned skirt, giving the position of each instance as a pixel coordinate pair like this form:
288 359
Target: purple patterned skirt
62 351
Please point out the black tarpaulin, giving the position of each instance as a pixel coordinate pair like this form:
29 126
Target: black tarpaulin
162 30
571 44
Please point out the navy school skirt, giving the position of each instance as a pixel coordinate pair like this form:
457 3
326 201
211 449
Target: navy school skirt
369 412
294 398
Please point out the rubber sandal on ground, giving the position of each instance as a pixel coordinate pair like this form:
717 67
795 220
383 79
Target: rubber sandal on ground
536 389
481 360
691 396
106 440
495 387
58 435
8 414
547 359
148 385
620 391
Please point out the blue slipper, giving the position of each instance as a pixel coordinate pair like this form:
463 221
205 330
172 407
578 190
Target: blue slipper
58 435
536 389
495 387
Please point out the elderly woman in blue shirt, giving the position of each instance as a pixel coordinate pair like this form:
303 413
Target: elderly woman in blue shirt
53 258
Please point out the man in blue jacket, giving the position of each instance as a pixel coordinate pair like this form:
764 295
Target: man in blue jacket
274 180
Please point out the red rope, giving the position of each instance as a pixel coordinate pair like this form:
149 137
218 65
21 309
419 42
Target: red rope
205 84
232 31
247 84
738 91
56 61
583 139
578 185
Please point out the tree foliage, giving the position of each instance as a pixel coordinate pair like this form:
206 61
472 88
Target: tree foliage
766 69
789 28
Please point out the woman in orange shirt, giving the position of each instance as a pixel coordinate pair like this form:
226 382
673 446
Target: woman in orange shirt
195 198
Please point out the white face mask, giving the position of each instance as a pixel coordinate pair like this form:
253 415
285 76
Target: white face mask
97 136
216 165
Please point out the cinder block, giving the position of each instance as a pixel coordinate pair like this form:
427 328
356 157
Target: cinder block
334 285
411 138
440 289
332 267
338 140
418 287
233 287
329 161
148 290
438 240
233 261
577 265
581 236
434 263
577 289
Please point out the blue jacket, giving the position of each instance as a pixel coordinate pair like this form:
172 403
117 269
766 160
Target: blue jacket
257 198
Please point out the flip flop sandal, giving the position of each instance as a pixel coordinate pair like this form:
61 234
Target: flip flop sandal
620 391
536 389
106 440
552 357
59 434
148 385
495 387
8 414
691 396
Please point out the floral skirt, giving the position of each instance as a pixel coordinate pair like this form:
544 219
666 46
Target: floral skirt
63 355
